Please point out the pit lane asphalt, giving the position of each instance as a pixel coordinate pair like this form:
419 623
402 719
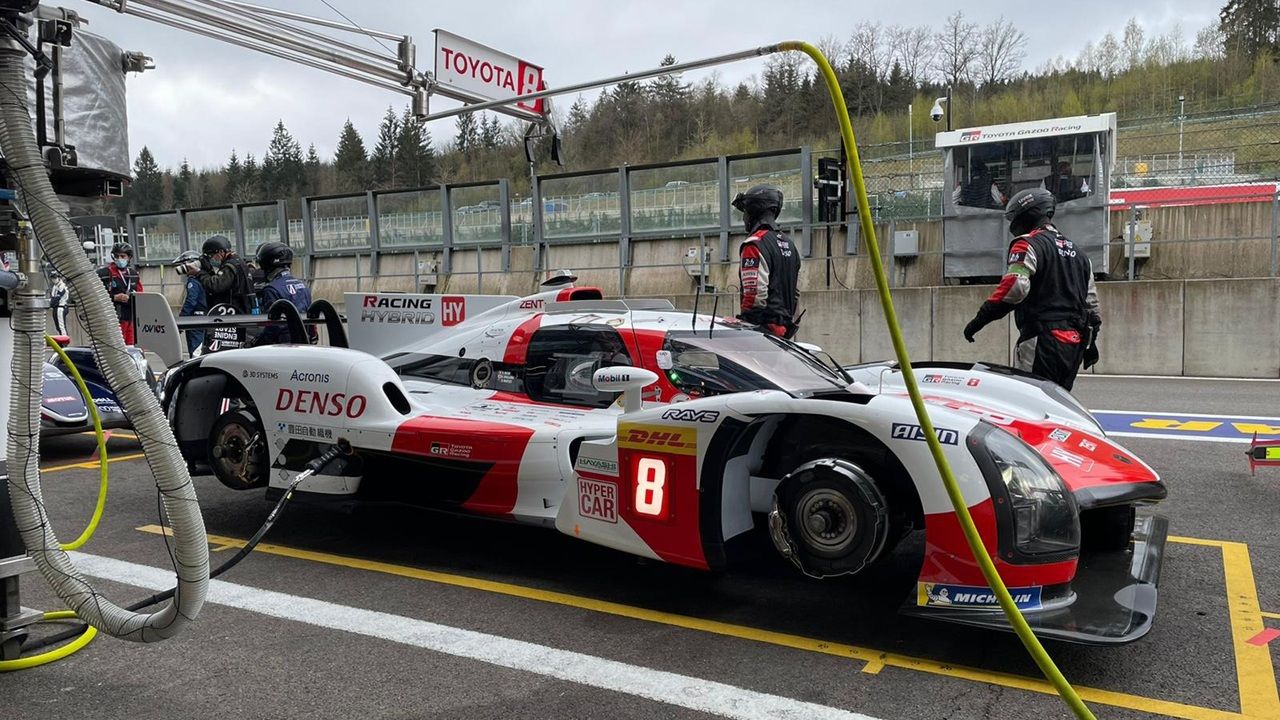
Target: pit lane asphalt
237 663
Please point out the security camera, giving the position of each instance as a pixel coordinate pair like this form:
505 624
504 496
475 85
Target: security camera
937 112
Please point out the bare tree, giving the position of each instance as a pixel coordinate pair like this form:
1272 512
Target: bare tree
834 48
870 45
1210 42
913 49
1002 49
957 43
1134 43
1107 56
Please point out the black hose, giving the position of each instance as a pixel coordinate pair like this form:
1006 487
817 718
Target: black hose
332 322
284 310
342 447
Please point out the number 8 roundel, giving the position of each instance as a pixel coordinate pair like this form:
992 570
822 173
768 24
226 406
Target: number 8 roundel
650 496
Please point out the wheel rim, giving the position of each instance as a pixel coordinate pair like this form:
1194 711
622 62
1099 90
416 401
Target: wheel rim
827 521
240 453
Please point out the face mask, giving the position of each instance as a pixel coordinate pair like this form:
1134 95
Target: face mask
215 263
122 263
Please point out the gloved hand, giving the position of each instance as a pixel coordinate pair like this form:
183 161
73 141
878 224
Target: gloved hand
1091 355
973 327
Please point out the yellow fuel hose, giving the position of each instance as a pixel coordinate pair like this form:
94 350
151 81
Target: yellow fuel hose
53 655
1020 626
102 446
89 633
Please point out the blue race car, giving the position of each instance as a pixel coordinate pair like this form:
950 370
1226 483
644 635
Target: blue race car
63 410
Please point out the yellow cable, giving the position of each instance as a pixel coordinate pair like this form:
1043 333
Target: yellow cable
46 658
1037 651
102 446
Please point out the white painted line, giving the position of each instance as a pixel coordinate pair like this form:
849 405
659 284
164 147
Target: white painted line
1165 436
1222 417
657 685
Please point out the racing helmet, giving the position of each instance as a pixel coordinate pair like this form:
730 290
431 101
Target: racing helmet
122 248
215 243
760 204
185 257
1028 209
274 255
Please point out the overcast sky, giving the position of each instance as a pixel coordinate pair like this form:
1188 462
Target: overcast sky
205 97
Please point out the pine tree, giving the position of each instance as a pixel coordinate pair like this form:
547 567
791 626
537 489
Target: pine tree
1251 27
250 188
234 175
282 173
490 131
311 171
468 133
182 185
414 159
383 159
146 193
351 162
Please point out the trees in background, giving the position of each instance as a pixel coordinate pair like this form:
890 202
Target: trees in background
882 69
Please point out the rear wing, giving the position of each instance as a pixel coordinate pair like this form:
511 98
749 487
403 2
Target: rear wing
381 323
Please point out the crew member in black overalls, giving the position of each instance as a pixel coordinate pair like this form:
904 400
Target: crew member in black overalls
769 273
1049 287
274 258
122 281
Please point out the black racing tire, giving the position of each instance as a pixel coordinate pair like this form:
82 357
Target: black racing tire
238 450
830 518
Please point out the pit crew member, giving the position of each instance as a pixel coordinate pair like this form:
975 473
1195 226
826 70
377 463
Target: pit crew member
1049 287
275 259
769 273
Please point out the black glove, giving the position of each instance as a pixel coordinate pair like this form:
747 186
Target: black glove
1091 355
973 327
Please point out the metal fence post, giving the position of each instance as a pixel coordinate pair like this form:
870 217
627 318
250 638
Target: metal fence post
806 202
184 240
624 231
282 221
892 255
237 227
375 234
1275 234
1133 235
722 170
446 228
308 241
504 197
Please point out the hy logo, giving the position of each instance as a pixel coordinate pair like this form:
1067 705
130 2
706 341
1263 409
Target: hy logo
453 310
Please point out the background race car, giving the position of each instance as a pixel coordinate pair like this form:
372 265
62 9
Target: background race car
63 410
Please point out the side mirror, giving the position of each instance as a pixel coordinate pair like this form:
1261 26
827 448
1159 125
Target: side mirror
627 380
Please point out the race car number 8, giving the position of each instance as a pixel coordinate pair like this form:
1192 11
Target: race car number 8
651 481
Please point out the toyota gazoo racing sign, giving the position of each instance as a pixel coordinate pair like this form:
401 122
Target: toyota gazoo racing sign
478 73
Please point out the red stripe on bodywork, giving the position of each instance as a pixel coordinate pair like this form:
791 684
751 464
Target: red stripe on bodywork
947 558
496 444
518 345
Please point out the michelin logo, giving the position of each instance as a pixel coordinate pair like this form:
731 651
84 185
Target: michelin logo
968 596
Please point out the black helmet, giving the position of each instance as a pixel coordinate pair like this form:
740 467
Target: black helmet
214 244
274 255
760 205
1028 209
122 248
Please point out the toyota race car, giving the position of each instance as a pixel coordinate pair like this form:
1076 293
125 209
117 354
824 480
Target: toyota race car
668 435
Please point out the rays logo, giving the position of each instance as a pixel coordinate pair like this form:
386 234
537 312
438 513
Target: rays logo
686 415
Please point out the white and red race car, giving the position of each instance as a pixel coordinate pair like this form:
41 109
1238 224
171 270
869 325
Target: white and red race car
666 435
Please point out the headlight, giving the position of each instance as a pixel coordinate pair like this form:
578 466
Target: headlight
1042 516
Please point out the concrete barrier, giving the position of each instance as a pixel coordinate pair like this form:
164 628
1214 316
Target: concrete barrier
953 308
914 308
1231 328
833 320
1142 330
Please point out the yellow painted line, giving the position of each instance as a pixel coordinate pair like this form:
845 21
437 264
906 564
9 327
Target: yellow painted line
1273 616
92 464
875 659
1258 696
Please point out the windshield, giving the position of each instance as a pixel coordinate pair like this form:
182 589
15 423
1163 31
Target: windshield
734 360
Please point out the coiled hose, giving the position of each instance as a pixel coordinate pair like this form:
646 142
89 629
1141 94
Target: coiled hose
191 551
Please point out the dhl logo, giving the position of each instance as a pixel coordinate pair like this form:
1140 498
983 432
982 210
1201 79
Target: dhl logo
661 438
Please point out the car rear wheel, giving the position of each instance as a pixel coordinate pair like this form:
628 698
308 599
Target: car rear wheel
238 451
830 518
